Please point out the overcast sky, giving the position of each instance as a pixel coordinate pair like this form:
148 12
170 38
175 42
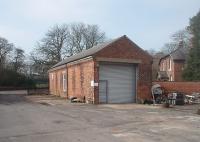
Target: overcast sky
149 23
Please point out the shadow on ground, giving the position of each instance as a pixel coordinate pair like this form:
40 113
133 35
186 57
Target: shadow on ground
11 99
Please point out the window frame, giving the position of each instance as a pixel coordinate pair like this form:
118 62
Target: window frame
64 81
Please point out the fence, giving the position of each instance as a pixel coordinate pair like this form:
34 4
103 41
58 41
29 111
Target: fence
24 91
38 91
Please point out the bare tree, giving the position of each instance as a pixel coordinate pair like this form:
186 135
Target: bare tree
76 38
64 41
5 49
52 44
18 60
181 36
152 51
83 37
38 66
169 47
93 36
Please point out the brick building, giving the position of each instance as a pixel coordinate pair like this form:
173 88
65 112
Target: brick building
155 66
173 64
117 71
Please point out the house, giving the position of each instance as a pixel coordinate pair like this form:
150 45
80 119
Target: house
171 66
155 67
117 71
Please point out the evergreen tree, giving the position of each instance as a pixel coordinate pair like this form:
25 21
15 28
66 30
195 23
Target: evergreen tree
192 70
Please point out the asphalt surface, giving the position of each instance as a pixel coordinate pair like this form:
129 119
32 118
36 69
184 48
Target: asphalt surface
25 120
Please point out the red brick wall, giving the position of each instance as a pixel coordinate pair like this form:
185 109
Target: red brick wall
79 80
125 49
185 87
56 82
178 70
144 82
52 83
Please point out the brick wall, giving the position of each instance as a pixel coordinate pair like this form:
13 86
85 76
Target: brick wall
126 49
56 82
185 87
178 70
52 83
79 80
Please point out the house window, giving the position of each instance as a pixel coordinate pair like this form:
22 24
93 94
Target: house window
64 82
170 64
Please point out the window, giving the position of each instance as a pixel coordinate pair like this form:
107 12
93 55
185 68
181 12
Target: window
64 82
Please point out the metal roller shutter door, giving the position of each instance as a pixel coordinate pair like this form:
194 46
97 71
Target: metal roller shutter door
117 83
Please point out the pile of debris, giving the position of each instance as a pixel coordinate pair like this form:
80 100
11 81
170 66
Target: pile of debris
77 100
194 98
160 96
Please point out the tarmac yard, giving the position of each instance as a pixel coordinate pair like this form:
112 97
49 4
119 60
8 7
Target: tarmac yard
51 119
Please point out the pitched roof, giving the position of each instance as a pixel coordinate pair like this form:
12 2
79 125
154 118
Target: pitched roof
180 53
86 52
89 52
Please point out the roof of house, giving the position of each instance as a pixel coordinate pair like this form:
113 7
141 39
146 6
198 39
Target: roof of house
180 53
86 52
89 52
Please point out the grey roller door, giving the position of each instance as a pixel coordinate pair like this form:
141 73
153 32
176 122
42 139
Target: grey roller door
120 83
